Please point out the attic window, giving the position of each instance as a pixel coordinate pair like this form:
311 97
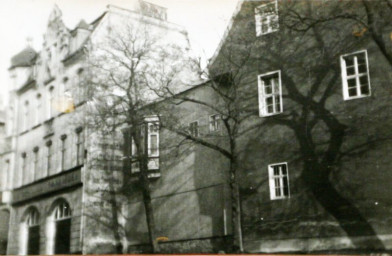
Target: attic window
267 18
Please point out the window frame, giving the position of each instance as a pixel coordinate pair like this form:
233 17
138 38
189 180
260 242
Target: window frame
35 162
63 151
272 177
49 157
356 75
197 129
79 143
216 125
258 17
149 134
262 105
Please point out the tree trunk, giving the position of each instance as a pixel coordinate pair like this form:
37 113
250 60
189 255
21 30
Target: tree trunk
236 208
349 217
145 184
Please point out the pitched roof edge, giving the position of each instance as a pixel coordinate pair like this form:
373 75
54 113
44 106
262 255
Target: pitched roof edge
226 33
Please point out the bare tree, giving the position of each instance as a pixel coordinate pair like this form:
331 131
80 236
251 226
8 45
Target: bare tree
122 69
306 49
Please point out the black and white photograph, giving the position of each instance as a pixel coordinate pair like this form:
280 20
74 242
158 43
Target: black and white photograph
195 127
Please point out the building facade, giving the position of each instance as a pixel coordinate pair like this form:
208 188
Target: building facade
296 114
313 85
56 164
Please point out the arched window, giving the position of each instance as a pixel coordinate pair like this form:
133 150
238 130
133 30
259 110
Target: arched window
30 233
59 229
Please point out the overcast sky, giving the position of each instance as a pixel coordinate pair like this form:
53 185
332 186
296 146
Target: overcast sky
205 21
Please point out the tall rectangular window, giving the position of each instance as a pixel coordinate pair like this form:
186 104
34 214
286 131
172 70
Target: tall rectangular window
355 75
23 165
194 129
63 150
79 146
50 102
35 163
153 139
270 94
26 116
278 181
38 112
49 157
267 18
215 123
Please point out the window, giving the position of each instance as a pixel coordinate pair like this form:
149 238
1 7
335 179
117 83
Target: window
79 146
63 150
49 157
30 233
215 123
59 229
270 94
267 19
25 116
355 75
24 167
35 163
153 139
80 87
38 110
278 181
194 129
50 102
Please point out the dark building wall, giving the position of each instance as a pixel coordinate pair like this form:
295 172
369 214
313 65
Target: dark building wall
44 206
191 198
361 176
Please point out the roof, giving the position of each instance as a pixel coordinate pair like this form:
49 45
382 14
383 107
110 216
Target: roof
82 24
24 58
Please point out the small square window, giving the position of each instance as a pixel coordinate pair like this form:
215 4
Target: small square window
267 18
355 75
270 94
278 181
194 129
215 123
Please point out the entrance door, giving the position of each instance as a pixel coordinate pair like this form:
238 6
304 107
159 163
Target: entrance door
33 241
63 237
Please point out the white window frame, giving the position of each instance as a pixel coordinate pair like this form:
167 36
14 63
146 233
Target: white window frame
156 133
262 95
214 123
272 178
356 75
197 129
269 17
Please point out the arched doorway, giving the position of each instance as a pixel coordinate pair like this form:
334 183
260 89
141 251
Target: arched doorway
30 233
59 232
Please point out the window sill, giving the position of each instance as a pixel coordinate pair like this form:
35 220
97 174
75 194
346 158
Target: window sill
267 115
266 33
357 97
